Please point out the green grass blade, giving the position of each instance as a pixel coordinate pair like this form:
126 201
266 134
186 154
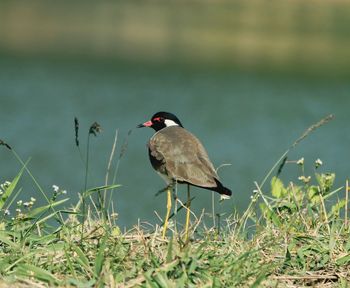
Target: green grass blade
5 238
44 219
81 259
100 258
100 188
10 189
40 274
169 256
41 209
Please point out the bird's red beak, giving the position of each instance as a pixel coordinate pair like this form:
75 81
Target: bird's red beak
146 124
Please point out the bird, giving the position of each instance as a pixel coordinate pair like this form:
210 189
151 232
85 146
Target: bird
179 157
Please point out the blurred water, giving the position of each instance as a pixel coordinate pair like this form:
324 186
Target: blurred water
244 119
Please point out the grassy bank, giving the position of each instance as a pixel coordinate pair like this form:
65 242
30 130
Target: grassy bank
294 233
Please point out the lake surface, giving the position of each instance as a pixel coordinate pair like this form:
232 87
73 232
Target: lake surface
247 120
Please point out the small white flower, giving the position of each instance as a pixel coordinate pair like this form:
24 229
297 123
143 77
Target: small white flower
19 203
18 210
7 212
114 215
300 161
64 191
5 185
32 199
255 191
26 204
55 188
305 179
253 198
318 163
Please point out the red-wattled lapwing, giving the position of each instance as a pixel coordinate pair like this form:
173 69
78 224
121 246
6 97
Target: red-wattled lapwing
178 156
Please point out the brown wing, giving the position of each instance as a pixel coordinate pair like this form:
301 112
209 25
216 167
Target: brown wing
182 157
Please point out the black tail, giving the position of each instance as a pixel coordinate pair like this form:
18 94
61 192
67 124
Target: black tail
221 189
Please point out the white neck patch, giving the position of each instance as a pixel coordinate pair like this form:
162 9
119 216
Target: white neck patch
169 122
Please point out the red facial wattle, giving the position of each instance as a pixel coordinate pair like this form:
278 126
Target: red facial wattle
147 124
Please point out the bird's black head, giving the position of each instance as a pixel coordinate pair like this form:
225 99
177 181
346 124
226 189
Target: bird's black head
161 120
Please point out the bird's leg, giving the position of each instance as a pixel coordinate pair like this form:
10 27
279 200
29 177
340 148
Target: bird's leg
168 208
175 207
188 206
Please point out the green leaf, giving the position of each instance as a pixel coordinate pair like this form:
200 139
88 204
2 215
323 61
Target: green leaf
161 279
277 188
301 258
41 209
193 266
44 219
274 218
36 272
325 180
100 258
96 189
6 238
17 261
149 279
337 207
261 277
313 194
7 193
263 207
345 260
270 214
169 255
81 258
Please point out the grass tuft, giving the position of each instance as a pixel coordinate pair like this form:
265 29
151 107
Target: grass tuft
294 233
296 237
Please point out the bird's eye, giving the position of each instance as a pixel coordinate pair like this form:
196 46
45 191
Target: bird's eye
158 119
